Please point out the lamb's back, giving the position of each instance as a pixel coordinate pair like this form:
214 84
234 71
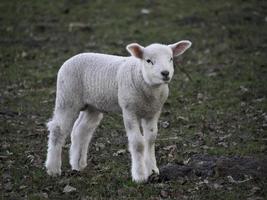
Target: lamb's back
99 80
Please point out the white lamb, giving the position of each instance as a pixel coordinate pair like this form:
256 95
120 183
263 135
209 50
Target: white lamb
89 84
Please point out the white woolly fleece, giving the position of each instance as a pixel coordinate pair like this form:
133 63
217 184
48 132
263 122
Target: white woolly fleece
90 84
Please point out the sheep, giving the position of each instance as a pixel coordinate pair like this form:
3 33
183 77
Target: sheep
90 84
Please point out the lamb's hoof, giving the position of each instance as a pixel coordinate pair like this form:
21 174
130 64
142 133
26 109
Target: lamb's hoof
82 164
155 171
53 171
140 178
79 167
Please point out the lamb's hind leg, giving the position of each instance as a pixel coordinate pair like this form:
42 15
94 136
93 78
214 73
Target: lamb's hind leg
81 136
59 127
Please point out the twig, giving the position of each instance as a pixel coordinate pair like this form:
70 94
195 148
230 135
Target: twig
184 71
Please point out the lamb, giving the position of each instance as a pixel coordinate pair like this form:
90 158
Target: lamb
90 84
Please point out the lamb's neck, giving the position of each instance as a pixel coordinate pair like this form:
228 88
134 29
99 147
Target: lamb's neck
145 89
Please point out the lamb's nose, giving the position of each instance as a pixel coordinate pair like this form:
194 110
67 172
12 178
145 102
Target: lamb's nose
165 73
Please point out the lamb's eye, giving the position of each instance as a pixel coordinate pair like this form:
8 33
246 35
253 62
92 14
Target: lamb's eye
149 61
171 59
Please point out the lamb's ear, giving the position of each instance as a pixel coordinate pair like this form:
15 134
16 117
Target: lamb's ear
180 47
135 50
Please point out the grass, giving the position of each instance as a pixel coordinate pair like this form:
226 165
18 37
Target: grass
226 96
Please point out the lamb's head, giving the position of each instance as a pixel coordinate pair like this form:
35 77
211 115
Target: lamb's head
157 60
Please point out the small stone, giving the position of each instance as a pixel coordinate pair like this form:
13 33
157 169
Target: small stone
243 104
119 152
224 137
255 190
6 145
8 187
206 147
76 26
234 143
30 158
171 147
85 198
164 194
183 119
223 144
42 195
206 181
200 134
200 96
6 177
22 187
260 99
185 162
145 11
45 195
9 153
255 198
9 29
165 124
230 179
243 88
212 74
68 189
24 54
181 180
99 146
217 186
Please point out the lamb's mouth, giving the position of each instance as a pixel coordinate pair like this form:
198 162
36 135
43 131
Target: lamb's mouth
166 79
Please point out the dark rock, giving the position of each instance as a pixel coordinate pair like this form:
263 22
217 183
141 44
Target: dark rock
207 166
173 171
238 167
203 165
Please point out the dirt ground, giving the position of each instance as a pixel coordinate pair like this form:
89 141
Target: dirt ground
212 131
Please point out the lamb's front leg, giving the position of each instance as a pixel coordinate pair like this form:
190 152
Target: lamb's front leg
136 146
150 129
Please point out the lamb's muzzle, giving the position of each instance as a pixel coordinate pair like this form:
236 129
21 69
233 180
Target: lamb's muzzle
90 84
